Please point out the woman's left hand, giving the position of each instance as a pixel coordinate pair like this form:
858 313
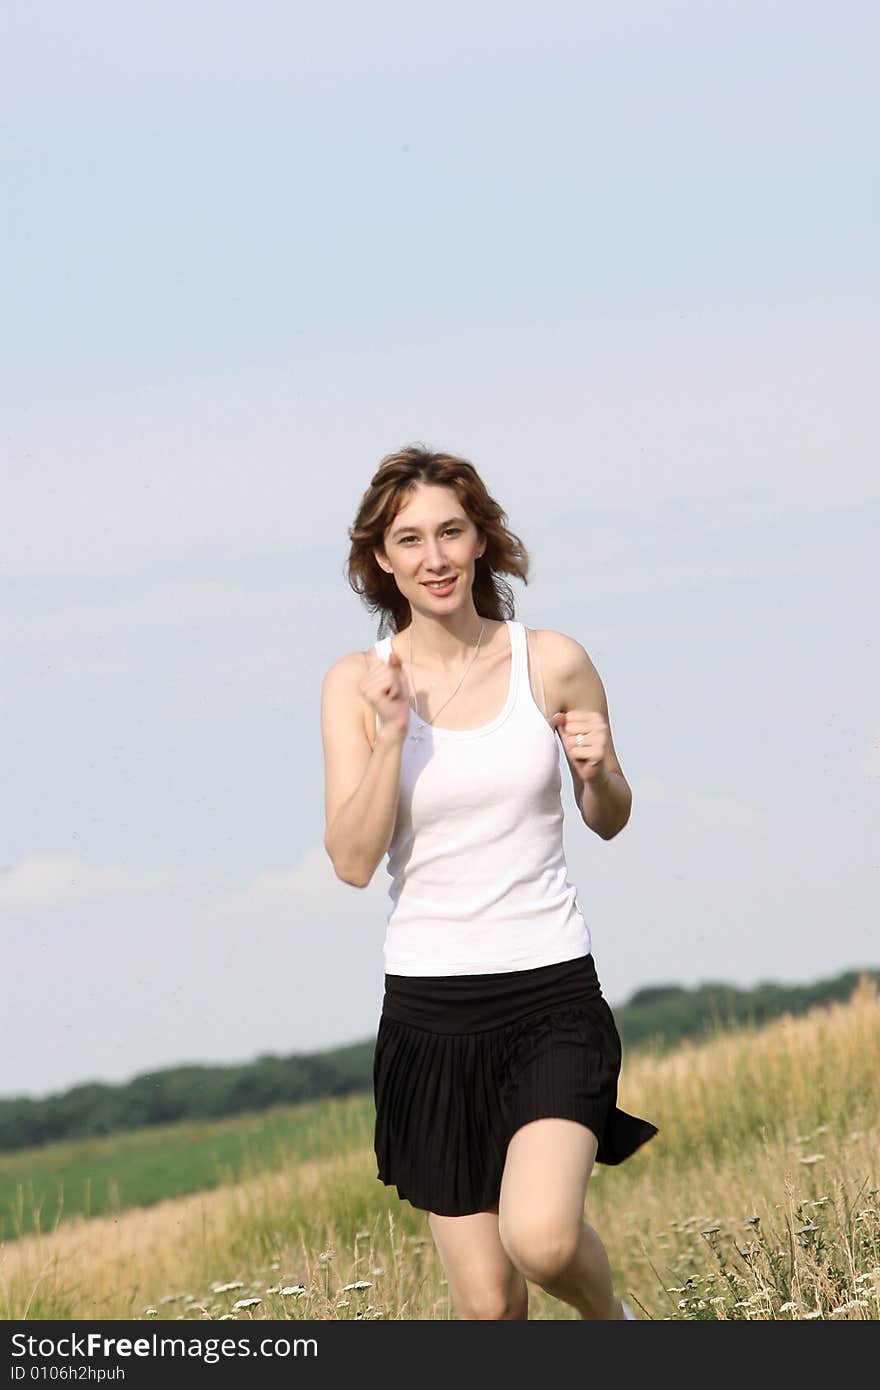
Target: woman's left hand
588 756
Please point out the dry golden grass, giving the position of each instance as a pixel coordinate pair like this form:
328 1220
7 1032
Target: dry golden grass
757 1199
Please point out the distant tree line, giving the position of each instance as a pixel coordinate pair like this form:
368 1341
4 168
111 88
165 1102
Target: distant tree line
665 1014
661 1016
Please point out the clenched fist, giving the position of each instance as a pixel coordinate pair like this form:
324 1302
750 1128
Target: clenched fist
385 689
588 756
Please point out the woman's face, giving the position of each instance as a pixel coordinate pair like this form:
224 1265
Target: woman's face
432 538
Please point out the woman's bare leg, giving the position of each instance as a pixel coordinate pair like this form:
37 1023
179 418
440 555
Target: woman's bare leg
541 1225
483 1282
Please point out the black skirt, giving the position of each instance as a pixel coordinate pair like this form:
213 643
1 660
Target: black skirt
462 1061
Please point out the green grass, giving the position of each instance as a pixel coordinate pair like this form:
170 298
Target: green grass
43 1186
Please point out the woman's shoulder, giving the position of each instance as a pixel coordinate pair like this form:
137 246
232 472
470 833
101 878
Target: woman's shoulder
342 683
352 665
560 659
555 647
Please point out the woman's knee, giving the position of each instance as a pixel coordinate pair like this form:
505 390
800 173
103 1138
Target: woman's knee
542 1250
482 1281
495 1303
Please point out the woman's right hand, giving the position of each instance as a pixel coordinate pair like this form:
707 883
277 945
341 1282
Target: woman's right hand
384 688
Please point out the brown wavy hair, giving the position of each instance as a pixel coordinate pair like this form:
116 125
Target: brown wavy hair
395 477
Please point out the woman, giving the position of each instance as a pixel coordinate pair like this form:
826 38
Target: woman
497 1058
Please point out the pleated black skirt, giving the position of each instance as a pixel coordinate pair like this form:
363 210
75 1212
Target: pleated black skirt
462 1061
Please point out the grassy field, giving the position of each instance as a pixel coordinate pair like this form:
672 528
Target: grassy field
42 1187
757 1199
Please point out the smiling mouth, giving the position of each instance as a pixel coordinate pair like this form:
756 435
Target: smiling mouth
439 583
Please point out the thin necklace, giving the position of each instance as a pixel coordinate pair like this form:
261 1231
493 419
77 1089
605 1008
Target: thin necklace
417 736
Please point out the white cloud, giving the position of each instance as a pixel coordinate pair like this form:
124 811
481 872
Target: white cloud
871 759
169 606
47 880
703 808
311 888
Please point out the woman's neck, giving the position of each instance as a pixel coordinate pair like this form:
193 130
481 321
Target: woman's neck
446 646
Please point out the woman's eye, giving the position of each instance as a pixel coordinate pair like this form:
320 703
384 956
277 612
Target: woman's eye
450 531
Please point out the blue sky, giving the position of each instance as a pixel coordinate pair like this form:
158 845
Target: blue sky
621 257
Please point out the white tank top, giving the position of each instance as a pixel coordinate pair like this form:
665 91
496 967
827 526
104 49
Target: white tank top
478 876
